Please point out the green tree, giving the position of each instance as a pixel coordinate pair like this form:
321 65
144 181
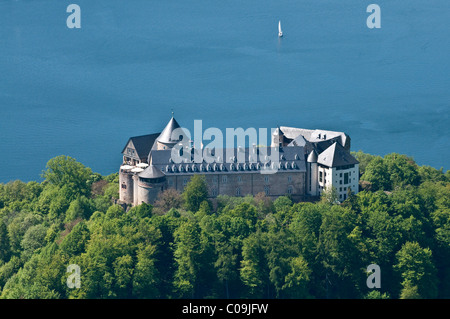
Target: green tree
5 249
282 203
296 281
33 239
76 241
146 275
66 171
187 256
254 271
123 273
376 173
416 269
402 170
195 192
141 211
81 207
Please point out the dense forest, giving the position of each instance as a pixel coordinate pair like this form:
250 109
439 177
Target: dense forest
185 246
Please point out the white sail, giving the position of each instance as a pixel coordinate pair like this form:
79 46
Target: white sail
280 33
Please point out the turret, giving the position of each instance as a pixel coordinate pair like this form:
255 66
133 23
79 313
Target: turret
149 184
312 173
169 136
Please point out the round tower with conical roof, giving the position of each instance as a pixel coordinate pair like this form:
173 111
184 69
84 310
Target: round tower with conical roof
312 174
171 135
149 184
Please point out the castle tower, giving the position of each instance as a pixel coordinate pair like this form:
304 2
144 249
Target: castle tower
149 184
169 136
126 185
312 174
278 138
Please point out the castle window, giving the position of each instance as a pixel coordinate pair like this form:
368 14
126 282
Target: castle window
238 191
290 190
185 181
214 192
320 177
289 179
267 190
239 178
224 179
345 178
124 186
266 179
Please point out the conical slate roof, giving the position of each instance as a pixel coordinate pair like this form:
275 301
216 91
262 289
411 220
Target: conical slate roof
151 172
166 134
336 155
312 157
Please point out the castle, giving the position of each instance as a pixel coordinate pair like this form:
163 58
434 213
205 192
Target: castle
308 161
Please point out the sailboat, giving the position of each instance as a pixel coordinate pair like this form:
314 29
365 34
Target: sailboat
280 33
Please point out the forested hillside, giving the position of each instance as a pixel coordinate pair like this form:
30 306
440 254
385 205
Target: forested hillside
185 246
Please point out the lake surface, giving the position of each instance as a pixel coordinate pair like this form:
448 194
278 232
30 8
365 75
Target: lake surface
84 92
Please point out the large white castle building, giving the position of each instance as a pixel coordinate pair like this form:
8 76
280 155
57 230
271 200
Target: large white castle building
308 161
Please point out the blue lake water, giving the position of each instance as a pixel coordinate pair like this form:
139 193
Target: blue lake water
83 92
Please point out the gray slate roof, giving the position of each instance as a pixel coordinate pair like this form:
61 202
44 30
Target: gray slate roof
315 136
336 155
142 144
166 134
151 172
237 160
312 157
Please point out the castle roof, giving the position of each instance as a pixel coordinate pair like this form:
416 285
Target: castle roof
151 172
317 136
232 160
312 157
336 155
142 144
166 135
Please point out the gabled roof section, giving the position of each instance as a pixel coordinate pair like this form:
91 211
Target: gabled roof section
336 155
298 141
142 144
317 136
